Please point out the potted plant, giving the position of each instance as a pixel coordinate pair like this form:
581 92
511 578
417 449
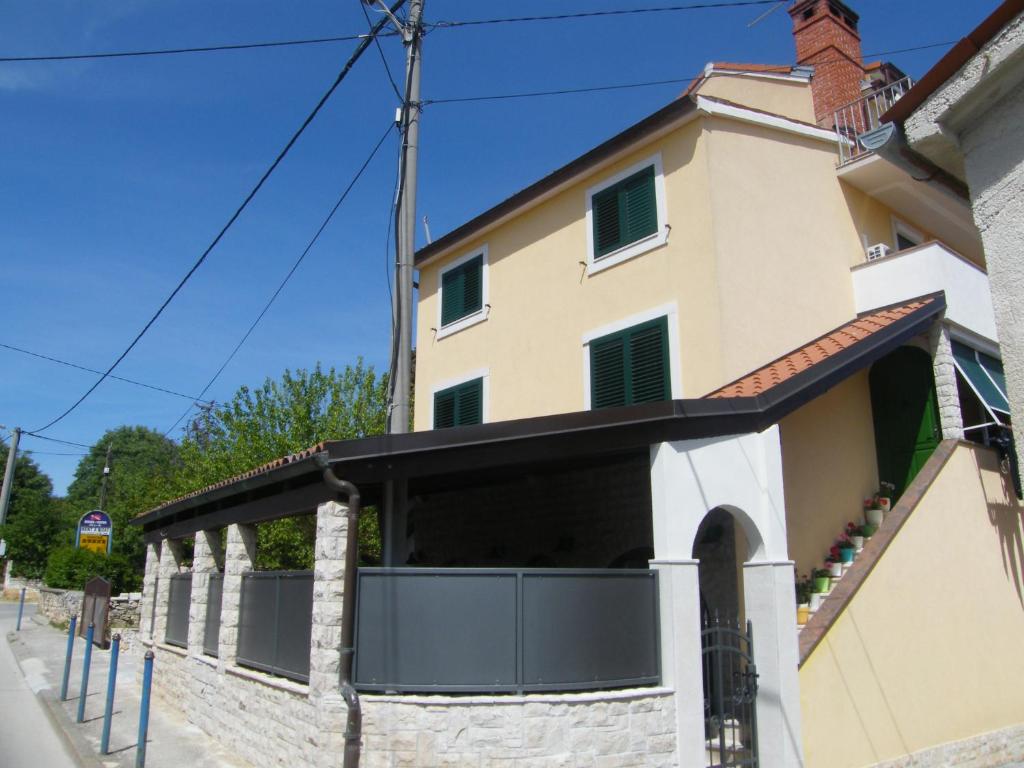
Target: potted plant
873 512
821 581
804 588
832 562
853 534
885 495
846 549
868 530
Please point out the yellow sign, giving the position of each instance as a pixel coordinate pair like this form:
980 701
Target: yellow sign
94 542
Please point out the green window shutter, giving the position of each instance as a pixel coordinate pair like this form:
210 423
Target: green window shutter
625 212
460 405
630 366
444 409
608 371
462 290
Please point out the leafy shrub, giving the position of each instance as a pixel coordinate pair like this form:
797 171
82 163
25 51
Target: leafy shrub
70 568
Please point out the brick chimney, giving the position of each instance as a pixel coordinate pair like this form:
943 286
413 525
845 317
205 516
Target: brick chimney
825 32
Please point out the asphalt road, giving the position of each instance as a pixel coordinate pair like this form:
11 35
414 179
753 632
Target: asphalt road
27 737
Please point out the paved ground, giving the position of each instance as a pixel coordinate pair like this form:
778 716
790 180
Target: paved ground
29 693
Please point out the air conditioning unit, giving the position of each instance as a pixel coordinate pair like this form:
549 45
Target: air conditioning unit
878 251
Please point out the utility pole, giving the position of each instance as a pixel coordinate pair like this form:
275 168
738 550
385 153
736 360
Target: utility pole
401 386
5 492
106 474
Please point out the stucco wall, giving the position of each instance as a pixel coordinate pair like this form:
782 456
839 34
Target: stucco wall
830 467
994 158
928 650
744 287
780 97
873 220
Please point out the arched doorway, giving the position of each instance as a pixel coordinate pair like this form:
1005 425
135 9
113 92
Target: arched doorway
905 414
727 663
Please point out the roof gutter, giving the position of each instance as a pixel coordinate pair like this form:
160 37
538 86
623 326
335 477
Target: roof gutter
354 722
889 141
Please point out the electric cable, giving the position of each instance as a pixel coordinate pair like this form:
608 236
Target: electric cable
93 370
266 174
174 51
649 83
55 440
383 58
594 14
287 277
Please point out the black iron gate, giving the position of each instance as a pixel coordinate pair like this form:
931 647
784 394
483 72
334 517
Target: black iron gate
730 693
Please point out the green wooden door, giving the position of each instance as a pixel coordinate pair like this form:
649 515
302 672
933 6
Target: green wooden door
906 415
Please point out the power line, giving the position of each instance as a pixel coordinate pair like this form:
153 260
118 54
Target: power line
383 58
594 14
56 440
93 370
266 174
287 277
175 51
54 453
670 81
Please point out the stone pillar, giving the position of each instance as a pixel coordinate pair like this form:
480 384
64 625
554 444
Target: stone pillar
170 558
946 394
679 610
768 589
238 560
204 562
150 585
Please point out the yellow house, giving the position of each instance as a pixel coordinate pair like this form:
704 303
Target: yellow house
730 349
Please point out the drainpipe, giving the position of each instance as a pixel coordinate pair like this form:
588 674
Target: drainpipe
889 141
354 725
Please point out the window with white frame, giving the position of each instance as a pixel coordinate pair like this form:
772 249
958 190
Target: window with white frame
905 236
463 292
626 214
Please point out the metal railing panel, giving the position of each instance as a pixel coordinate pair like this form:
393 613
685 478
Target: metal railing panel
505 630
863 115
427 629
179 600
211 630
275 622
592 628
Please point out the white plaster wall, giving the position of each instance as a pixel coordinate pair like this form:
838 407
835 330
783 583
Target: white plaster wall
742 473
928 269
994 158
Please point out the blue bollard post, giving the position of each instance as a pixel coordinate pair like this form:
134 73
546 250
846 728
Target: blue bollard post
21 609
147 681
67 659
85 672
115 649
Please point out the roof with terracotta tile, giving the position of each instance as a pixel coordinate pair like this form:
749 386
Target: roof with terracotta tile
819 350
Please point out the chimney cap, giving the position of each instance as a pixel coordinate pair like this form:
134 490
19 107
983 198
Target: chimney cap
837 5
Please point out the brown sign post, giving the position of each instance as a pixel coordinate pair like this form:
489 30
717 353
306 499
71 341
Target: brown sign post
96 609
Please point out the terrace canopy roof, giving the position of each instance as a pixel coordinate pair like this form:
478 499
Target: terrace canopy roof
447 459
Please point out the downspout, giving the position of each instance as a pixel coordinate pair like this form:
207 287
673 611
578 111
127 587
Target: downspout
354 724
889 141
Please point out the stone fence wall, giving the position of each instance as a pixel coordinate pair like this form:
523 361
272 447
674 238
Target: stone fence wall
14 584
59 605
270 721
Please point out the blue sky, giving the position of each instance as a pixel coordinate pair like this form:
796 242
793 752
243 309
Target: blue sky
117 173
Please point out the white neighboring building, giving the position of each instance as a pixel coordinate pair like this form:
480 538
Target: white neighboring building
965 116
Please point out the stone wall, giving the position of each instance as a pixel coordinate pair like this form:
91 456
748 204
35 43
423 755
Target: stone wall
59 605
989 750
14 584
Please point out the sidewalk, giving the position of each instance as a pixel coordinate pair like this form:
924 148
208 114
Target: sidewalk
172 743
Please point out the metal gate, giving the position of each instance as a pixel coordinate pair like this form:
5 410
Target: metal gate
95 610
730 693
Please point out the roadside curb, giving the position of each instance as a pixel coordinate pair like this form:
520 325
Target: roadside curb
78 747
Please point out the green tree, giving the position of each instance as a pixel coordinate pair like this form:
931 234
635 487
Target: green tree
33 523
143 466
281 417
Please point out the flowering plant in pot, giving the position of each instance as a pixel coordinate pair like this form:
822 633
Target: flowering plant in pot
868 530
853 534
804 589
846 549
833 563
884 495
873 512
821 580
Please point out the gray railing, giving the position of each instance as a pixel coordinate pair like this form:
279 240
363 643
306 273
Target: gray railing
863 115
179 601
275 621
211 631
505 630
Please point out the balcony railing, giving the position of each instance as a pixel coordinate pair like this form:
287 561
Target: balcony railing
863 115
